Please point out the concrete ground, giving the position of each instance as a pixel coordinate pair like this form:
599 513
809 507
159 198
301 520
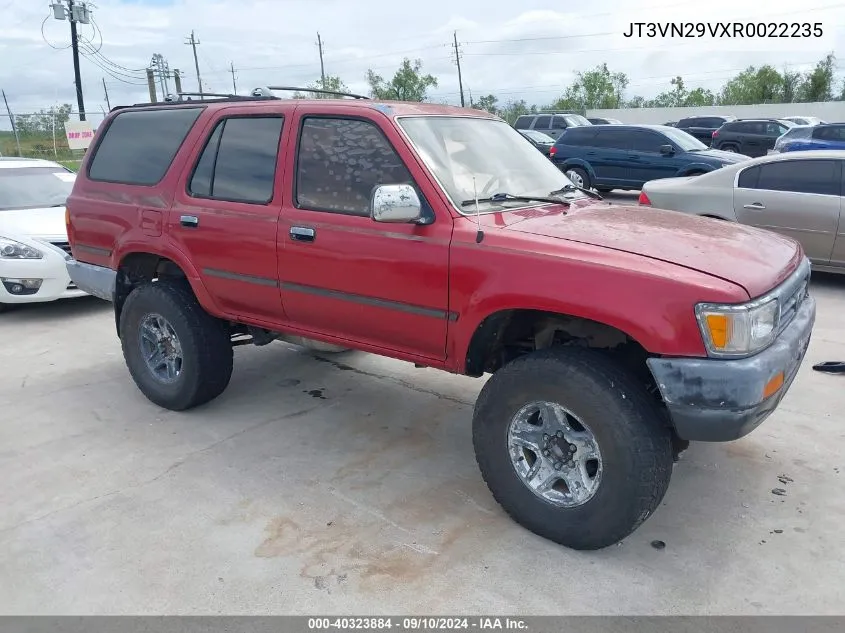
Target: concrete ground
349 487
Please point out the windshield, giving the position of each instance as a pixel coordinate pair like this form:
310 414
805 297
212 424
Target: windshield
458 149
685 141
34 187
539 136
576 120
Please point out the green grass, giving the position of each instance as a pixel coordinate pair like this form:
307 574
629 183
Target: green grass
73 165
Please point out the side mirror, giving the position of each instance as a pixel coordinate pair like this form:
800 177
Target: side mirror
667 150
396 204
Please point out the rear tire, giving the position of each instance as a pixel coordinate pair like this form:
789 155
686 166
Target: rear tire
579 177
604 189
633 444
191 362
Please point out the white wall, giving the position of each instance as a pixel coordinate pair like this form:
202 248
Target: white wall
830 111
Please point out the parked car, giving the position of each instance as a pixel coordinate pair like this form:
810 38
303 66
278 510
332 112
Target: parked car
797 194
438 236
603 121
825 136
752 137
542 142
548 123
671 123
626 156
803 120
702 127
795 133
33 237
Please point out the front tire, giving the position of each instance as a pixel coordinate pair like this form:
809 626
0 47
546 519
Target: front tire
572 447
178 355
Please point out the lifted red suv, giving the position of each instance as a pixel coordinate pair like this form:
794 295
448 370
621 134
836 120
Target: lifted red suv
440 236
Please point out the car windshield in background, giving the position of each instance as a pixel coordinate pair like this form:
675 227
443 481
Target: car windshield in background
685 141
460 149
539 136
34 187
574 120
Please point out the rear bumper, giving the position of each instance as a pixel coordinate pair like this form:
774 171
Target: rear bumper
721 400
95 280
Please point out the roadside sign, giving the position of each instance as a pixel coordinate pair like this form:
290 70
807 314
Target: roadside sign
79 134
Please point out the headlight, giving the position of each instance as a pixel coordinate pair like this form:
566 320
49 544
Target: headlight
738 330
10 249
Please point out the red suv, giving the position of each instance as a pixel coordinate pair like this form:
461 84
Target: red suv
440 236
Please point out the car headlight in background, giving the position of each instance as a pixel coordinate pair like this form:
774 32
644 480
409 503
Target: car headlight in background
738 330
10 249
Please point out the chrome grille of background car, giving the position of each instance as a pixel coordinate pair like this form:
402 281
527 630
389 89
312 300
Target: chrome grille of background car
794 291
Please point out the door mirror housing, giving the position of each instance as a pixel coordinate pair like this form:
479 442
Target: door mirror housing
398 204
667 150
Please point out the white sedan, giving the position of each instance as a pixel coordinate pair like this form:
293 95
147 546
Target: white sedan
798 194
33 236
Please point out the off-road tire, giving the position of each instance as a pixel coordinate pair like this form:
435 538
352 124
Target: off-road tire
634 440
207 356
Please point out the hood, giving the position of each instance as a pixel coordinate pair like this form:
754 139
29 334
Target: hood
46 223
724 157
754 259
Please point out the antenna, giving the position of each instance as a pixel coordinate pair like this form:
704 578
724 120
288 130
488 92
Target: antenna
479 234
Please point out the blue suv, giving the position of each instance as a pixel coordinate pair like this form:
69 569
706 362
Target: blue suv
824 136
607 157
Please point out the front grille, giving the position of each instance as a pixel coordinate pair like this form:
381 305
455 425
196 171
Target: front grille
65 246
794 291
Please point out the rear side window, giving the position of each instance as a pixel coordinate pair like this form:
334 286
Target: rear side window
830 133
612 139
138 147
543 123
238 163
523 122
581 135
801 176
341 161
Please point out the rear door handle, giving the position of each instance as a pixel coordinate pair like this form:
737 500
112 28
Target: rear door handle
190 221
302 234
755 206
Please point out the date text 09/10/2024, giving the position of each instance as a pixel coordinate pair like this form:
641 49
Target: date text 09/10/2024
417 623
774 30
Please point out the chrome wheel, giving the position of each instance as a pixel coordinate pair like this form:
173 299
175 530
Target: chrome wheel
730 149
160 348
575 177
555 455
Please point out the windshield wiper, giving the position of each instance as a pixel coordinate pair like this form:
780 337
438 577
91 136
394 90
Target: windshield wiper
505 197
588 192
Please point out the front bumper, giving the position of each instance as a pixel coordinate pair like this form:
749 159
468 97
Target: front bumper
713 400
50 269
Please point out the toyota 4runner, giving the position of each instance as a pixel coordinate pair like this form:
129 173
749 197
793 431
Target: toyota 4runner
440 236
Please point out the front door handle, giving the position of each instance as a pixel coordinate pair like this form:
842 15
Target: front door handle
755 206
190 221
302 234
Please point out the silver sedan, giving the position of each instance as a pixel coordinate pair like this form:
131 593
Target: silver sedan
798 194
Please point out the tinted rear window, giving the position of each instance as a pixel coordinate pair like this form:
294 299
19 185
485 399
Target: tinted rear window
138 147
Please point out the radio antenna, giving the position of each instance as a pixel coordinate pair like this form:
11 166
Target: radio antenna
479 235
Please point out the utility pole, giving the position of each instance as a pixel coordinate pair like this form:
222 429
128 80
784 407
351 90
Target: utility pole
322 67
232 70
151 84
12 121
75 12
458 62
194 43
106 91
177 80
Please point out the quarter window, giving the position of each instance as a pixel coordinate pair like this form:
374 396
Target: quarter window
138 147
341 161
238 162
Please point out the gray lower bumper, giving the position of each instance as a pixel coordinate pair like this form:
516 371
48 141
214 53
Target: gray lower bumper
95 280
720 400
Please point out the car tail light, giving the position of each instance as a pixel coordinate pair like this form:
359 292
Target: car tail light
715 134
552 151
644 201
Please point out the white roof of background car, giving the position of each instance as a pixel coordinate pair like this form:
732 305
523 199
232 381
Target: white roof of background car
21 163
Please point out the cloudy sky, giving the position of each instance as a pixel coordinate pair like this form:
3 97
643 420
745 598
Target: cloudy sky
516 50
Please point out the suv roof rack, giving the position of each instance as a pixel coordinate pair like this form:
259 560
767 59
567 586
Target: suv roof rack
267 91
